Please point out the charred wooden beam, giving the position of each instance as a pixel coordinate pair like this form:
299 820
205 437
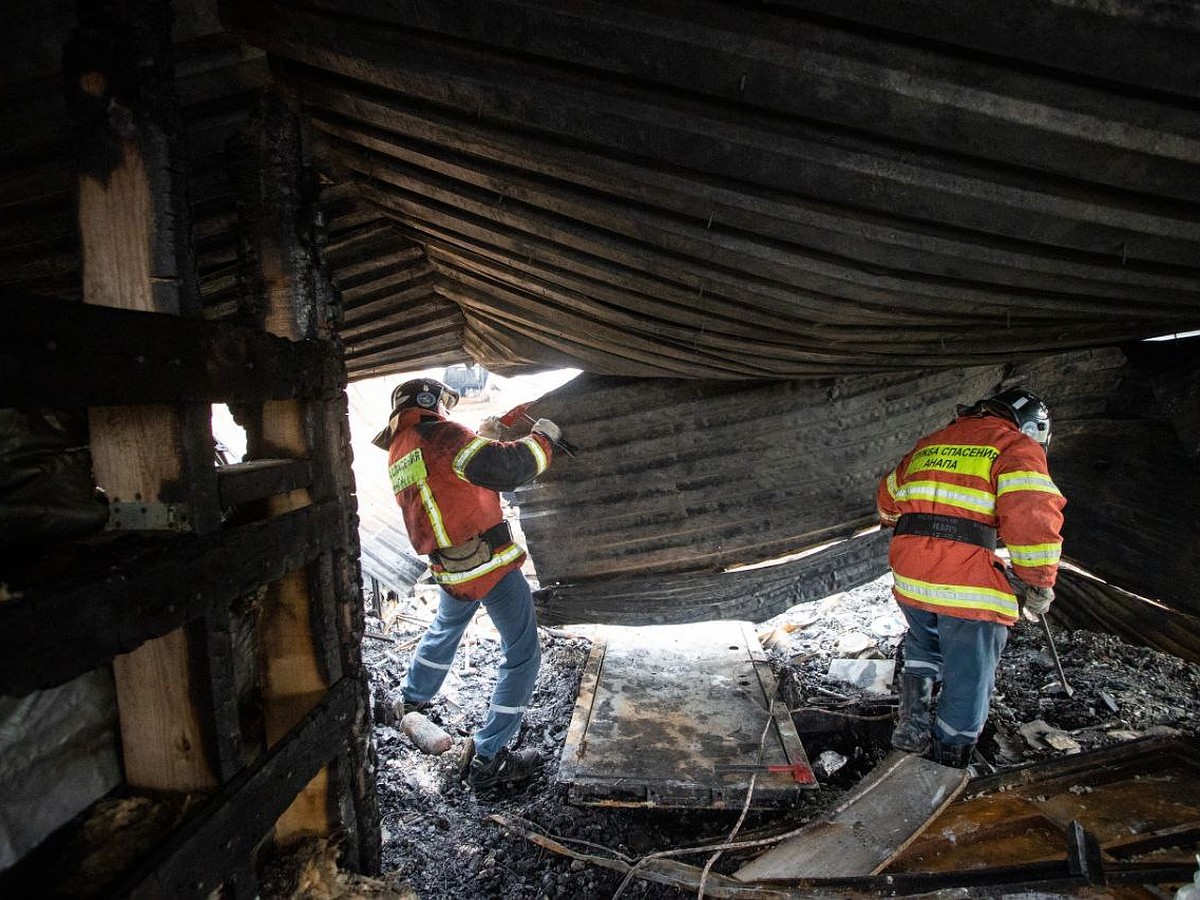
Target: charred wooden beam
311 621
55 352
258 479
52 634
242 812
137 254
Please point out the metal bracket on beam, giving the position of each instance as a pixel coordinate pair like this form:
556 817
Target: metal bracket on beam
135 516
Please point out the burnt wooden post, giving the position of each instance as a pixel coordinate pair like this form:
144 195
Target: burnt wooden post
154 461
312 623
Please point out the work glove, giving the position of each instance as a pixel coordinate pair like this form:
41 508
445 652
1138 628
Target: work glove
548 428
1038 600
491 428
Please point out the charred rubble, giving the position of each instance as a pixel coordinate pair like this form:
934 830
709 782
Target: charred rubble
442 841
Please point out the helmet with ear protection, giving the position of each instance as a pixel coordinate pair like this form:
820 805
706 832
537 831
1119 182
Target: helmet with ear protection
419 393
425 393
1026 409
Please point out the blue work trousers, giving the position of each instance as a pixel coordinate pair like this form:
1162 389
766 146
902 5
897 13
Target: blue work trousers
962 654
510 606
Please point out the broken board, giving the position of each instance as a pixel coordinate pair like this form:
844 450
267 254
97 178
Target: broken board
663 711
888 810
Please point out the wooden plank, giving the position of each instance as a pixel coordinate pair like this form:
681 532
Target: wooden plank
887 811
135 244
59 352
663 709
51 634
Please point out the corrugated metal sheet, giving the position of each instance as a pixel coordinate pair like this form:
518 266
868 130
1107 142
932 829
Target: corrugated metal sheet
393 319
676 481
698 476
737 191
755 594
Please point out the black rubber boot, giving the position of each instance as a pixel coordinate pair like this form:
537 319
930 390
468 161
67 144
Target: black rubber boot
502 770
912 731
955 756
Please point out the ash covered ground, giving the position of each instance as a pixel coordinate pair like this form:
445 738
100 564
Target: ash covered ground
440 840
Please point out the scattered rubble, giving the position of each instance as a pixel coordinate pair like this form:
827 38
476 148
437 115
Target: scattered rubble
444 842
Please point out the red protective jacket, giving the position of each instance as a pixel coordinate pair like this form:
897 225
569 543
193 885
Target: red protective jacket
446 480
980 468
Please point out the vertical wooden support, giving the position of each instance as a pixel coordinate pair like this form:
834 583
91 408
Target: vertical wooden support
134 227
302 630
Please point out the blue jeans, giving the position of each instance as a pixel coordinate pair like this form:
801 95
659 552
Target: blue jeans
510 606
962 654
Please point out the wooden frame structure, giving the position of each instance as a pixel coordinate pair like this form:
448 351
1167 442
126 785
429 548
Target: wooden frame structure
194 551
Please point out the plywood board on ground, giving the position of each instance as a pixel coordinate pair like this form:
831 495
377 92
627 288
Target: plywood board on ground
890 807
662 710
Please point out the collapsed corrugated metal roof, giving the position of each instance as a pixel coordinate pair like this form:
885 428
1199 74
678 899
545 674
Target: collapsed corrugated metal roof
741 190
677 481
857 195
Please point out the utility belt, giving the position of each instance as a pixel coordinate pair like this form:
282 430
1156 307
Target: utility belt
474 551
950 528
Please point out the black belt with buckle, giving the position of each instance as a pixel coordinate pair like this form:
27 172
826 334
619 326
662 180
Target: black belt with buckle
498 535
951 528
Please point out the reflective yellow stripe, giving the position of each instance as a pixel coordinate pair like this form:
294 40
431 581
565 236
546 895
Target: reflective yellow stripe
962 459
407 471
891 484
435 516
465 455
1025 481
954 495
1029 555
509 554
959 596
539 455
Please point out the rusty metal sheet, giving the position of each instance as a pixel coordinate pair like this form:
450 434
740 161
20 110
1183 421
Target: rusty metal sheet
1143 796
663 712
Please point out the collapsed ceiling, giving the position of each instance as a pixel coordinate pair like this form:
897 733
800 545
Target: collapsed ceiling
812 226
741 190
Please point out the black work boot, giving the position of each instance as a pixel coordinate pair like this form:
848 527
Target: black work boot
956 756
912 733
415 706
504 769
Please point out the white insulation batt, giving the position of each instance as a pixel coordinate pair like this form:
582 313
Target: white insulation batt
58 754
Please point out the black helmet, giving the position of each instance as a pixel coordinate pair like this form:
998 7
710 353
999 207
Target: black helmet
1029 413
425 393
422 393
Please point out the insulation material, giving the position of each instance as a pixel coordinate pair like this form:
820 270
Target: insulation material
58 754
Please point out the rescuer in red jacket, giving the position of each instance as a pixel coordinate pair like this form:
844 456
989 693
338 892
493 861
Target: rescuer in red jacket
446 479
981 479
